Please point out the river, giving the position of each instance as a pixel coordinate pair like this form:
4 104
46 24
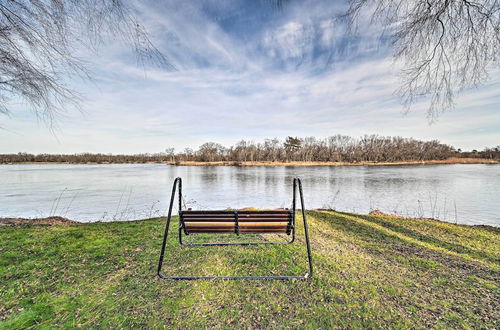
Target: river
466 194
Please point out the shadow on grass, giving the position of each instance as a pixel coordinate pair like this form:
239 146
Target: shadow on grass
459 248
397 249
491 229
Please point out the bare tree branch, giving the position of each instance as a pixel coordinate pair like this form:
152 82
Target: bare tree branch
445 46
37 48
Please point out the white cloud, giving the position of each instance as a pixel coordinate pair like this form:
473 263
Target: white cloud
247 84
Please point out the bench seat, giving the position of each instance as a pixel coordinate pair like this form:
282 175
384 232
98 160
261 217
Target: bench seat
238 221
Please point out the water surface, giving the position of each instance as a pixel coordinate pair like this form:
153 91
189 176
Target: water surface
457 193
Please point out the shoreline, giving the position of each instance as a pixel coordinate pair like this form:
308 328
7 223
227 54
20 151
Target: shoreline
448 161
58 220
363 163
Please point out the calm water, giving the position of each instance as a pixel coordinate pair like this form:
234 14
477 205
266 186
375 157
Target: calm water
457 193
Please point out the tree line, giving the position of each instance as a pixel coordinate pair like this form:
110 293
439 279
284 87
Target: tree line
337 148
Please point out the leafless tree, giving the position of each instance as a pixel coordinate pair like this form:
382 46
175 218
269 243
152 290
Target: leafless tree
338 148
211 151
38 39
445 46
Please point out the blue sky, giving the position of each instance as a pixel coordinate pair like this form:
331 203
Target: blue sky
246 71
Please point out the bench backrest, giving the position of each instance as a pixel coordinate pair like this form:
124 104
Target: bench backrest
239 222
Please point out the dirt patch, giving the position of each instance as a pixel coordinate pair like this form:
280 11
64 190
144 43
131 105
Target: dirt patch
379 213
36 221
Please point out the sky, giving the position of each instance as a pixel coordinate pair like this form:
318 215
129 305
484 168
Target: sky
246 70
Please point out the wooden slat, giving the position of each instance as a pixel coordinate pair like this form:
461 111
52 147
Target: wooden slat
279 216
210 224
207 216
208 227
263 224
243 224
239 212
211 230
199 215
269 231
243 231
264 220
277 226
254 226
232 227
209 220
242 216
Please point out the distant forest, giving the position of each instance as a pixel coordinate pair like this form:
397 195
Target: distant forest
338 148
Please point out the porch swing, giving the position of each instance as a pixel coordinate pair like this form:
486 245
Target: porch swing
239 222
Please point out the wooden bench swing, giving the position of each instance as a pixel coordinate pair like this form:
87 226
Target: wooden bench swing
238 222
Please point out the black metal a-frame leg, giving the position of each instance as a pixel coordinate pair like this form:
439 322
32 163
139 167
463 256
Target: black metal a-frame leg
178 183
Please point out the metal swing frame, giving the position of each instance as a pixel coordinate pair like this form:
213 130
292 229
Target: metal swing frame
177 186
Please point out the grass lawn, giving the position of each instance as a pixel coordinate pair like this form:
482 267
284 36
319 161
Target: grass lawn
370 271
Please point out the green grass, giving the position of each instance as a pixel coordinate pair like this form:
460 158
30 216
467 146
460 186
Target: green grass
370 272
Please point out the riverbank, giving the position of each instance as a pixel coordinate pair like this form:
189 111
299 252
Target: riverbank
370 272
55 220
297 163
279 163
